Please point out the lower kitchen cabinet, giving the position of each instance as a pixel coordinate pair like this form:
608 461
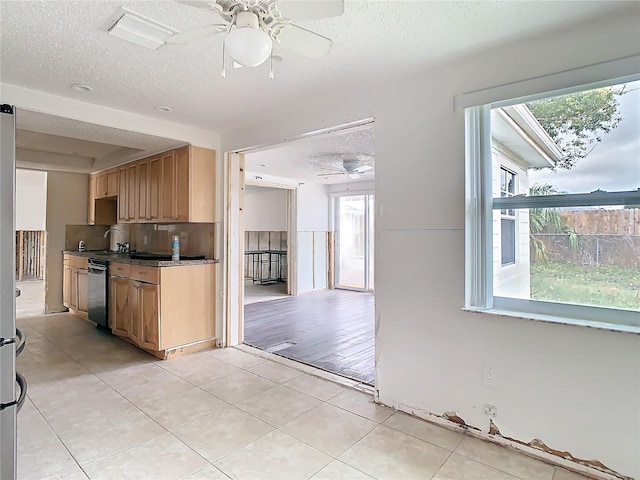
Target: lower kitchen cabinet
75 287
119 305
162 308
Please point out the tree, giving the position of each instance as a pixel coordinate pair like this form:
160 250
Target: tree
576 122
547 220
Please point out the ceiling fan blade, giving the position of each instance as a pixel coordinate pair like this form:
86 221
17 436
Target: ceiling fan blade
196 34
207 5
303 41
330 174
354 176
363 168
300 10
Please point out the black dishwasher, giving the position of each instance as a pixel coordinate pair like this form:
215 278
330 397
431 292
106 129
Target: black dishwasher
98 292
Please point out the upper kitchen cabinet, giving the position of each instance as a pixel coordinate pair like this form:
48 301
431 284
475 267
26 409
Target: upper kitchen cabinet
180 186
100 211
107 183
177 186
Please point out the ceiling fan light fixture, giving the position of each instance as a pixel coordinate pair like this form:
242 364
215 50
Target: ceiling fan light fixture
247 43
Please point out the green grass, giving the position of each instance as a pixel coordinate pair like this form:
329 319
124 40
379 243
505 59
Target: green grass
607 286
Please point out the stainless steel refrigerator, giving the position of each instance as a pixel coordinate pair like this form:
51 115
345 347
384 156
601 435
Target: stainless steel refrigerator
8 336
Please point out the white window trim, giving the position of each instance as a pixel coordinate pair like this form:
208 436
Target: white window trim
479 228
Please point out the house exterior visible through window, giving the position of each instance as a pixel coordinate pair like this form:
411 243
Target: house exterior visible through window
508 218
553 207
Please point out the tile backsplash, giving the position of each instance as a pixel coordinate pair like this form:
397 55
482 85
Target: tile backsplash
91 235
195 238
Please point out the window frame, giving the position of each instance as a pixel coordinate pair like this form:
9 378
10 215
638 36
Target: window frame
480 205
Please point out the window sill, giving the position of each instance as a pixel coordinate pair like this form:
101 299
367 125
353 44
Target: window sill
558 320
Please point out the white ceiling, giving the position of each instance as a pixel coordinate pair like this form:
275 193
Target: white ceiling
49 142
49 45
305 160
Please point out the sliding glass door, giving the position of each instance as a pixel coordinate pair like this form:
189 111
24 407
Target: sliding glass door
354 234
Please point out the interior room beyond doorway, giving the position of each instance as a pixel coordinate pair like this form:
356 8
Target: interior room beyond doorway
328 320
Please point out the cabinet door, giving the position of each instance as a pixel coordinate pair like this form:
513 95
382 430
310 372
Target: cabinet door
101 185
66 286
123 183
182 184
132 186
149 319
119 313
91 210
154 186
112 182
168 187
73 299
83 290
142 191
134 311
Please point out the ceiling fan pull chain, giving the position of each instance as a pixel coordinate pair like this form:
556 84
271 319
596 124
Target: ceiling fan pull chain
271 75
223 74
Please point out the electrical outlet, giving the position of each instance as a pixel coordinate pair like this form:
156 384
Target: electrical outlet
490 410
145 240
488 377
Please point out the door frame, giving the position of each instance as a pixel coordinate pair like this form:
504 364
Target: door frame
232 231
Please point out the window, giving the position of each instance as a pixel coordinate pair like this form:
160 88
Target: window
553 206
508 218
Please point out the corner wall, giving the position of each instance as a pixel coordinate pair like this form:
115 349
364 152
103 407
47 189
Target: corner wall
575 388
66 204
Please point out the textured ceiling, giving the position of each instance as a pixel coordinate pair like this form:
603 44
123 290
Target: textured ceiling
307 159
49 45
58 143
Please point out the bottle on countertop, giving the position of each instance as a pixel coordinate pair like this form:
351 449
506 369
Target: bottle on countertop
175 248
81 247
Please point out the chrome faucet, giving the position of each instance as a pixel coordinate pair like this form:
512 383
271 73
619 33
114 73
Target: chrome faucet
122 247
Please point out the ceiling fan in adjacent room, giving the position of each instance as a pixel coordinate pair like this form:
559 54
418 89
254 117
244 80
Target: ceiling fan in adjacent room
251 27
354 166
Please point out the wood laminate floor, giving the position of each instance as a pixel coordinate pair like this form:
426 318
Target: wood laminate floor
332 330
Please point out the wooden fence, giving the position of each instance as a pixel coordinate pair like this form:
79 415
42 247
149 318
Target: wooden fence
623 221
30 253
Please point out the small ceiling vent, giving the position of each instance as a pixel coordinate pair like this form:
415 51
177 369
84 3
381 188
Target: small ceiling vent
140 30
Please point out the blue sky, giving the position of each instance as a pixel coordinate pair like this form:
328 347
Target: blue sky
613 165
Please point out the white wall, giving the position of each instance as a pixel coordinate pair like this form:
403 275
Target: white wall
313 208
265 209
31 199
67 195
575 388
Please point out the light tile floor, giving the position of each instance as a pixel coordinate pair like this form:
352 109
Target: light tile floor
99 408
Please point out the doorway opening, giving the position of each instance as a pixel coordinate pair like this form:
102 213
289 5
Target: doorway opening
266 233
327 320
31 241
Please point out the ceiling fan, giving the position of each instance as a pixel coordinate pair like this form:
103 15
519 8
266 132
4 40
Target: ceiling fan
353 167
251 27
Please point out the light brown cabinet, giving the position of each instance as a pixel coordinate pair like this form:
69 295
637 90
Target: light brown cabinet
123 197
174 187
75 289
148 308
134 308
119 305
100 211
107 183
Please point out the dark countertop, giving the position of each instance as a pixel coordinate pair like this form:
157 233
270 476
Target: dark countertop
124 258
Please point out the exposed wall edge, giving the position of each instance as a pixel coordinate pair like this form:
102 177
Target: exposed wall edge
535 449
